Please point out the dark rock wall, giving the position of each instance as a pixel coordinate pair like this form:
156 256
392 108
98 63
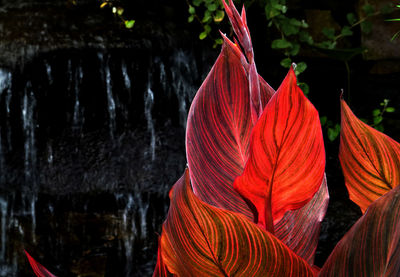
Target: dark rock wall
92 120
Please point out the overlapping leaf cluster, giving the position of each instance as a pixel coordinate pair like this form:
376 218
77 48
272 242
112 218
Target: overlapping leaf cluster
254 194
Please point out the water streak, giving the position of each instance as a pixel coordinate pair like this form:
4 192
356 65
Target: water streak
75 81
184 70
110 98
148 107
3 236
29 126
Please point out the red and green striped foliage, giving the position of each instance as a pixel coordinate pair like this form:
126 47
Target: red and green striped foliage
372 246
370 160
287 158
254 194
202 240
237 121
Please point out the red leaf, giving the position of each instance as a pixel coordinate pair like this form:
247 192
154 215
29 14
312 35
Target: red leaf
201 240
287 160
371 247
300 229
39 270
161 269
218 130
370 160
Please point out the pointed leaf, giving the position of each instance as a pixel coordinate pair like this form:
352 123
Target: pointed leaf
371 247
240 28
218 130
370 160
39 270
201 240
287 160
300 229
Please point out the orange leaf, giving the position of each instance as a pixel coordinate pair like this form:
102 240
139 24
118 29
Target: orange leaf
370 160
287 159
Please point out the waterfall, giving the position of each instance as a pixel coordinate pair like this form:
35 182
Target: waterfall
58 147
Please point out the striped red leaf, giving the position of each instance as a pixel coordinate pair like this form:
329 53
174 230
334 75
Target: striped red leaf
39 270
161 269
201 240
370 160
287 159
300 229
371 247
218 130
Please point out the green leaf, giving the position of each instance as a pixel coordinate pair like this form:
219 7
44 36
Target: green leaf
323 120
377 120
212 7
376 112
190 18
351 18
219 16
280 44
304 87
286 63
368 9
301 66
196 2
271 12
304 36
192 10
219 41
120 11
366 27
207 17
346 31
295 49
129 23
203 35
390 109
295 22
329 32
333 132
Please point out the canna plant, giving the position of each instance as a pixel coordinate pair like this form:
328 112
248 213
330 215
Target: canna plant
254 194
